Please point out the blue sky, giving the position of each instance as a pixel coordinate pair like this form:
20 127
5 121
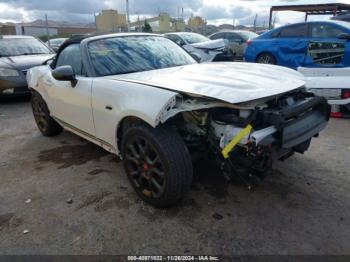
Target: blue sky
216 11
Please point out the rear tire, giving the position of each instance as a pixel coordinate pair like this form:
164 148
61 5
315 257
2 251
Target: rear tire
157 164
46 124
266 58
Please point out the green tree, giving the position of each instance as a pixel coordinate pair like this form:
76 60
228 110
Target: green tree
147 27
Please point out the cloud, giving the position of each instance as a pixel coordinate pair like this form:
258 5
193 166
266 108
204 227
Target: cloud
70 6
83 10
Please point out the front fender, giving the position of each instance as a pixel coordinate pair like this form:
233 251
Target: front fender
36 79
127 99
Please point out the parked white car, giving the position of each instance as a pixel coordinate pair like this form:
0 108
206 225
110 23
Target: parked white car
331 83
205 49
144 98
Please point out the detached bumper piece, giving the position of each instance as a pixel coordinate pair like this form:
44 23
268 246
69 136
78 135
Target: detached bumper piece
296 122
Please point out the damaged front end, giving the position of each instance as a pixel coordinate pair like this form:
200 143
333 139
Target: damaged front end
246 139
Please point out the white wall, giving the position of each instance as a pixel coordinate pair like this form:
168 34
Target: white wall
36 31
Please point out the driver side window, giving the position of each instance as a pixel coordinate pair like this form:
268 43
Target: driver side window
71 56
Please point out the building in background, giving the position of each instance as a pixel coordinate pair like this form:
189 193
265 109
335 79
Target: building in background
163 23
108 21
7 29
196 22
38 28
178 25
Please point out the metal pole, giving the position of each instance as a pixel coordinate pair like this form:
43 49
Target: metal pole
95 22
270 19
127 15
47 29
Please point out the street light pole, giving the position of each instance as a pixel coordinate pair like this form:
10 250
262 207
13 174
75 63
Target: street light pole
47 29
128 15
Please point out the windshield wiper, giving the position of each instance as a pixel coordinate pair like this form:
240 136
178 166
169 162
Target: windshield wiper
31 54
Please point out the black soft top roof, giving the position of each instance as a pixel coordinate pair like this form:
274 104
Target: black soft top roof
75 39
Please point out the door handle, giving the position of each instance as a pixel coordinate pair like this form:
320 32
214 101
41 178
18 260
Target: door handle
108 107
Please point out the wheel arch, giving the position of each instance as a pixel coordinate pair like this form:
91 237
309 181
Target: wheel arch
124 123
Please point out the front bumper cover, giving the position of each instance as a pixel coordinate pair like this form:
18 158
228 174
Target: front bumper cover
17 83
298 123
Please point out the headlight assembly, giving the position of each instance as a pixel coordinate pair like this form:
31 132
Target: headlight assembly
6 72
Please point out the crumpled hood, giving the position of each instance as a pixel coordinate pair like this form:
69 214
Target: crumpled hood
231 82
211 44
24 62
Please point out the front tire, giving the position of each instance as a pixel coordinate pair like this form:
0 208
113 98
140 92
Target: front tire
266 58
46 124
157 164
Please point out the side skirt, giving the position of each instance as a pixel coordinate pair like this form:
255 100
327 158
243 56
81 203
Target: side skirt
108 147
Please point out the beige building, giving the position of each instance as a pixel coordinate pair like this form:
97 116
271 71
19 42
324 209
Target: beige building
7 29
160 24
178 25
164 22
110 21
196 21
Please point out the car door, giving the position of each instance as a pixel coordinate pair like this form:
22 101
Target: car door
325 49
292 45
72 104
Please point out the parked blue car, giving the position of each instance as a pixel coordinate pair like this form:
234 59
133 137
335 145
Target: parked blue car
310 44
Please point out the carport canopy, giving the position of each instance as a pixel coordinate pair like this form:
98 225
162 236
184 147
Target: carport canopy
315 9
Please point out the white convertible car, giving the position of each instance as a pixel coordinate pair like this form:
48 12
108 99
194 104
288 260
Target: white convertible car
144 98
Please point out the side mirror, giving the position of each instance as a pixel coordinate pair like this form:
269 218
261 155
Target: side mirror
65 73
344 36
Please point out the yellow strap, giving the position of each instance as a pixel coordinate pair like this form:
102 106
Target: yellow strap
235 140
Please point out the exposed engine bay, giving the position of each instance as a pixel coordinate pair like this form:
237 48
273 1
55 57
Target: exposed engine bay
246 140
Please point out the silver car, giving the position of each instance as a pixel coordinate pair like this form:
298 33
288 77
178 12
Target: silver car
237 40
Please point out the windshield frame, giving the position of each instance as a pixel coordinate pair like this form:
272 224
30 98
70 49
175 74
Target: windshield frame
91 72
49 51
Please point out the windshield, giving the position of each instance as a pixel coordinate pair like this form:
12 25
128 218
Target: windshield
122 55
192 38
22 46
57 41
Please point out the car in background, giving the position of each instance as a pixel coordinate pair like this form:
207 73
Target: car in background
56 43
17 55
201 47
237 40
342 17
310 44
